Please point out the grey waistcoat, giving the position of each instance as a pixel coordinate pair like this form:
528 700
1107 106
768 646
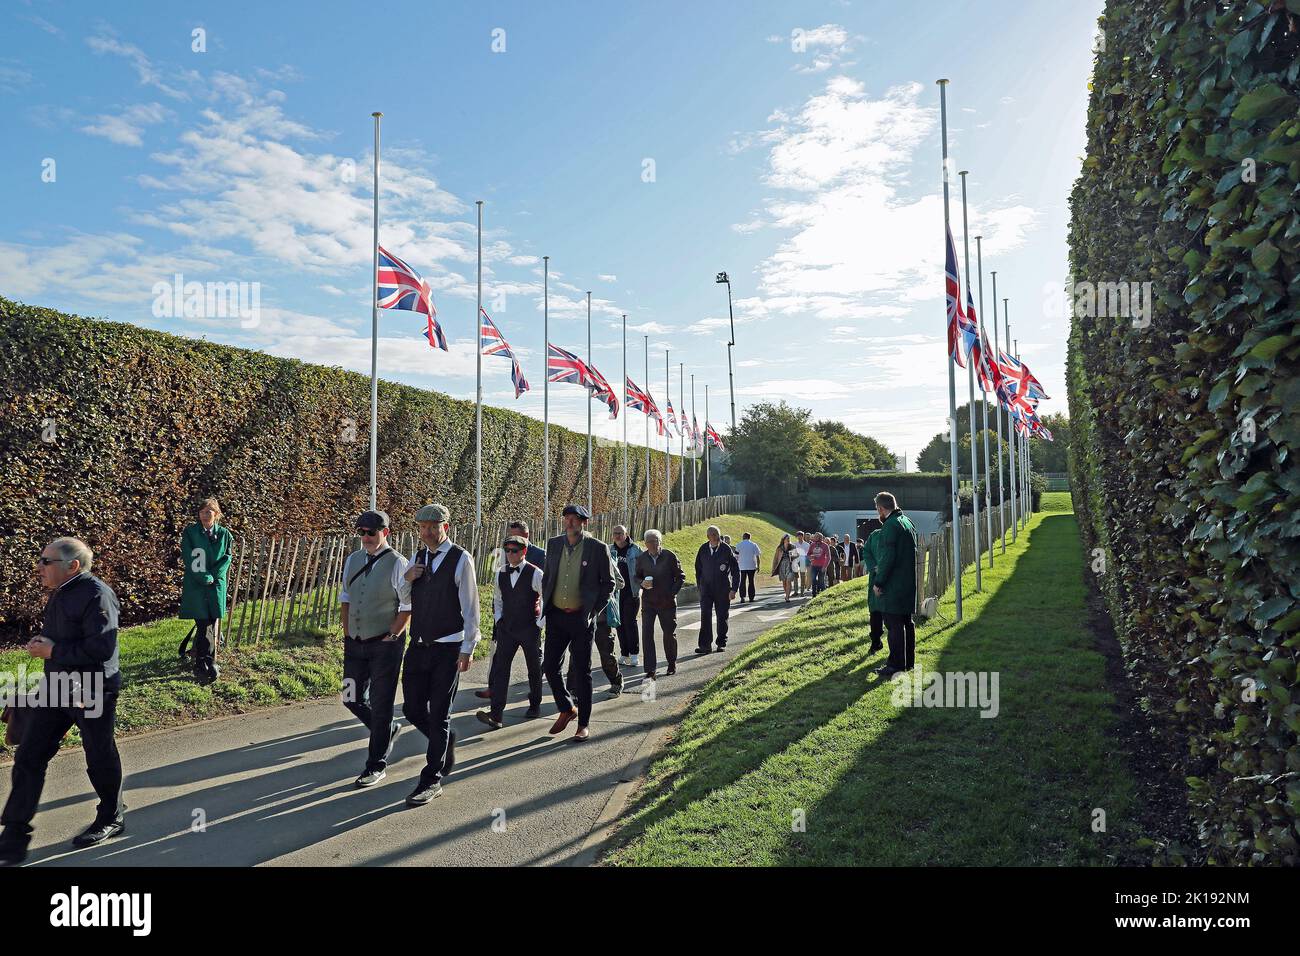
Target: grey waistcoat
372 602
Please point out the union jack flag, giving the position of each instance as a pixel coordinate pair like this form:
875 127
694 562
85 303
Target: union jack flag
642 401
672 419
563 366
1042 432
492 342
713 437
401 287
961 328
695 434
986 368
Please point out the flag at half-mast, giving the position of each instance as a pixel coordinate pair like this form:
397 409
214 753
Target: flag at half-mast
672 420
563 366
641 401
713 437
962 331
492 342
695 434
401 287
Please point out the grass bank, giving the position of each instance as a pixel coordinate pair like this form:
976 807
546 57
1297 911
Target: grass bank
797 753
766 529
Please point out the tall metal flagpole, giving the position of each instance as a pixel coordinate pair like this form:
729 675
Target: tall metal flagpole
952 376
1011 437
626 514
970 408
374 336
478 375
546 392
647 425
708 487
1023 441
681 431
731 378
1028 510
668 455
695 473
590 502
997 413
984 398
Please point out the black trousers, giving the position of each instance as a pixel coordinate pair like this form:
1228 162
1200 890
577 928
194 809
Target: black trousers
877 625
629 604
370 670
202 642
507 644
902 640
42 733
604 642
571 633
709 605
667 618
429 681
747 577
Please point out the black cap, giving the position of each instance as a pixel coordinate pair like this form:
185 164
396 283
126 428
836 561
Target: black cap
578 510
372 519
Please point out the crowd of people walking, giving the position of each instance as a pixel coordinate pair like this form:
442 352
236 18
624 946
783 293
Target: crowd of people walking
414 620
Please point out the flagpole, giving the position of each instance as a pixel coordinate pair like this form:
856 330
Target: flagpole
546 392
626 515
695 476
984 400
997 413
478 375
970 408
681 432
952 377
708 485
647 428
374 335
590 502
1014 440
1023 442
668 456
1028 511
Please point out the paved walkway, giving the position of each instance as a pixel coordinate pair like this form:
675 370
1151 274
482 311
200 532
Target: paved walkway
275 786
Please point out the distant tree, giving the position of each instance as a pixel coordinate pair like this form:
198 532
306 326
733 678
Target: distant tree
774 451
1046 456
848 451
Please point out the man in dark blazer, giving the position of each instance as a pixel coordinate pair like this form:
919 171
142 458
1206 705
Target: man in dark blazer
576 585
717 574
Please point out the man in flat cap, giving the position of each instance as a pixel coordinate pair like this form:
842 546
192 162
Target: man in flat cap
517 625
577 584
376 604
444 631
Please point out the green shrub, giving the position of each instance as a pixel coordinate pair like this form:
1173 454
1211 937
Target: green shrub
1186 430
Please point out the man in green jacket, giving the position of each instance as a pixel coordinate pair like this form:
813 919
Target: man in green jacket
895 582
870 558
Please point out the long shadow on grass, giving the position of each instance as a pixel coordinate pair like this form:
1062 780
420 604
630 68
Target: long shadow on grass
945 786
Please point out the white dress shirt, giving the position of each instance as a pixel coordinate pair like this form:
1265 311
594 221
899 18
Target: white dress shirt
497 601
400 584
466 589
749 555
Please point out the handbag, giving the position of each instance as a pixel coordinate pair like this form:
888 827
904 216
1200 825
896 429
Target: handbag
612 616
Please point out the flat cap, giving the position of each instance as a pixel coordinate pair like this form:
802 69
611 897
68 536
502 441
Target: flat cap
516 539
578 510
438 513
372 519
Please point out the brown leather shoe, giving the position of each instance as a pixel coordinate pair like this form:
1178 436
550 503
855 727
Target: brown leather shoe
582 734
483 694
563 720
489 718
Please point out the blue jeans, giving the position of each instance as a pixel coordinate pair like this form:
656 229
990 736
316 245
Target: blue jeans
818 580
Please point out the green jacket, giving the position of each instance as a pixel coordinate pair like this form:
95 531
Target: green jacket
871 558
896 565
203 592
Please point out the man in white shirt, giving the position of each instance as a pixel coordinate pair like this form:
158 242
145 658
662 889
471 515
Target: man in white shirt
444 631
517 624
748 554
376 604
801 546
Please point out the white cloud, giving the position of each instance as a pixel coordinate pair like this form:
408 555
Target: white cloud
148 74
126 127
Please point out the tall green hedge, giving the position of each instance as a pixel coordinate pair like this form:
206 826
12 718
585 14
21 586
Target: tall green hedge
1186 431
142 425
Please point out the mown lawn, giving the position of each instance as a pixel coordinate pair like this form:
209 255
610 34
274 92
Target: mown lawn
800 730
764 528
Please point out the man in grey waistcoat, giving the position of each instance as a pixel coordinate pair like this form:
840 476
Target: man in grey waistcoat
376 599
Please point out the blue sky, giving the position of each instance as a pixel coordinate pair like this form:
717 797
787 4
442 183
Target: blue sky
795 145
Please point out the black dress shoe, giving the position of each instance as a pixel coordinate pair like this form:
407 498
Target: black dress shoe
875 646
532 713
13 847
703 650
98 832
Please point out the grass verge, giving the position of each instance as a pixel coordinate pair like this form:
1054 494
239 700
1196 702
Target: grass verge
796 753
766 529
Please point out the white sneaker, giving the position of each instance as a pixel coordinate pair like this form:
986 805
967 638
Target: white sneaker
636 660
626 661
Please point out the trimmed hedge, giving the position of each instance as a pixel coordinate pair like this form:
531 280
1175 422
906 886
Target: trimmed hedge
146 424
1186 431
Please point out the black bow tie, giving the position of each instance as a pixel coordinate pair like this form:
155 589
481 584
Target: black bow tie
516 569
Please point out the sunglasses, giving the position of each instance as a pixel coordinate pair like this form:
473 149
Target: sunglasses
367 532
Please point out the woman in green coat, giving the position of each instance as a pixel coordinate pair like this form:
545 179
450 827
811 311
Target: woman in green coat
205 555
870 558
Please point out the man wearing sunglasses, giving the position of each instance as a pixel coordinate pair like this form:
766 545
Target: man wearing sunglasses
376 599
78 643
517 617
